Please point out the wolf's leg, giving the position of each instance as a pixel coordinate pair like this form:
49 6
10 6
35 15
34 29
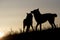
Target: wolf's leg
23 28
51 23
27 28
54 25
40 27
32 27
37 26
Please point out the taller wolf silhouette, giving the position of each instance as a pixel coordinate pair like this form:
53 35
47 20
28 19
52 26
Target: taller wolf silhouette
41 18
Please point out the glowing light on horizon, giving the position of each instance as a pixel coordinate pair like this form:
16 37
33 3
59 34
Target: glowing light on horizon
1 34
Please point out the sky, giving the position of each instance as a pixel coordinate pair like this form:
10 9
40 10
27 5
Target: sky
13 12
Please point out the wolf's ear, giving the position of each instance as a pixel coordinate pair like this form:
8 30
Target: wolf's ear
37 8
27 13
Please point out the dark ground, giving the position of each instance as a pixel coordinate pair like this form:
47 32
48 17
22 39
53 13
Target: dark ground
35 35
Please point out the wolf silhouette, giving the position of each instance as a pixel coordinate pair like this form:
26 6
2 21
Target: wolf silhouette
41 18
27 22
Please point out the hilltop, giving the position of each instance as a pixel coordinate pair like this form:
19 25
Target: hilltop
33 35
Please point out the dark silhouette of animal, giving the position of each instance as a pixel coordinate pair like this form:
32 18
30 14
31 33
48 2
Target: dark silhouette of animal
27 22
41 18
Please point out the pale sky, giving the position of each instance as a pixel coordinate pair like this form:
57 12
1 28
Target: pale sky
12 12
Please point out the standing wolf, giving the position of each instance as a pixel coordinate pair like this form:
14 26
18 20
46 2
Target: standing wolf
41 18
27 22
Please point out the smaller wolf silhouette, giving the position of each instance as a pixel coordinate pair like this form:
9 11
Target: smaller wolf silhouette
27 22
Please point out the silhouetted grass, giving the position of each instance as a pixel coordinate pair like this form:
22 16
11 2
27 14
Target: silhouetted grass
33 35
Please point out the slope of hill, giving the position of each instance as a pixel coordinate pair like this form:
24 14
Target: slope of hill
34 35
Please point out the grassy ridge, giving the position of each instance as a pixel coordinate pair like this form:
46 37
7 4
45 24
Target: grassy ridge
34 35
